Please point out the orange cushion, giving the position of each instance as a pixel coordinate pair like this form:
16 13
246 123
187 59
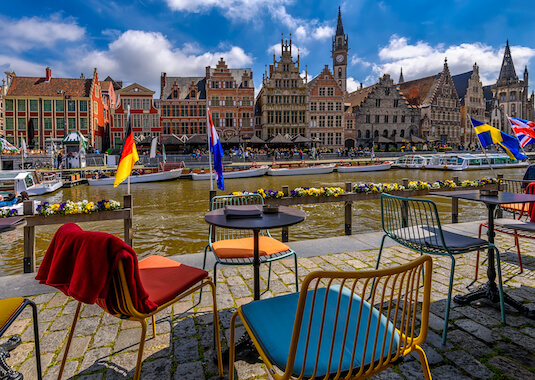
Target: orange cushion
8 308
240 248
516 206
164 279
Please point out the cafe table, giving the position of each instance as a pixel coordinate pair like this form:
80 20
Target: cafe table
286 216
490 289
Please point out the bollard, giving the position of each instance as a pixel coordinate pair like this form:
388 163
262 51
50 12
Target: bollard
348 206
405 183
285 232
29 240
128 226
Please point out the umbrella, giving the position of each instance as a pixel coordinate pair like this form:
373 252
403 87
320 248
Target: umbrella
171 140
279 139
235 140
75 137
382 140
300 139
416 139
256 140
4 144
196 139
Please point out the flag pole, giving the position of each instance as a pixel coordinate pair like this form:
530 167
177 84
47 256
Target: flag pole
209 128
484 152
519 143
128 178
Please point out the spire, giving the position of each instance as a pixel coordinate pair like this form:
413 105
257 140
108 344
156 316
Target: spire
507 72
339 26
401 79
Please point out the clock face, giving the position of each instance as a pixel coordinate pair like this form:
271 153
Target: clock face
339 58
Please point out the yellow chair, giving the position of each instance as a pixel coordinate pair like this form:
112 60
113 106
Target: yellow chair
10 309
328 330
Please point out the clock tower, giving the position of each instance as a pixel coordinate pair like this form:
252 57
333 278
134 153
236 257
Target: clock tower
339 54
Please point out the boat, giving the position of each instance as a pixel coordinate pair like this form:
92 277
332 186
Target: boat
141 178
363 167
20 207
412 161
468 161
243 173
299 169
33 182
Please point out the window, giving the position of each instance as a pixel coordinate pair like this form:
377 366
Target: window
8 104
377 102
10 123
386 118
21 123
184 110
146 122
215 119
83 105
71 105
136 104
96 91
322 121
502 97
83 123
330 91
146 104
33 105
246 101
322 106
175 112
95 107
367 118
396 103
387 91
228 119
95 123
376 118
21 105
338 106
47 123
395 119
322 91
512 96
228 101
60 105
59 124
286 117
136 121
47 105
72 123
245 83
338 122
329 106
402 118
194 110
313 106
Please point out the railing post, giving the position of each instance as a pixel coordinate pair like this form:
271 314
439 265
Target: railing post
456 181
128 231
455 210
405 182
285 231
348 206
29 240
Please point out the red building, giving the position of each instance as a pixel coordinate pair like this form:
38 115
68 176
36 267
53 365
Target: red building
39 109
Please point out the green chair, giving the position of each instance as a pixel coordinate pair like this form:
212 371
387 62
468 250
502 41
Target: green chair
414 223
235 247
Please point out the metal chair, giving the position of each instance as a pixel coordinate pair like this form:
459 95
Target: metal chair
329 330
235 247
414 223
10 309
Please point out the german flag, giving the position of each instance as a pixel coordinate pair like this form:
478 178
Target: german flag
128 155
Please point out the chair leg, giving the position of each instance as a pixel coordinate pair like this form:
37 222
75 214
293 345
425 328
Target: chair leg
448 301
296 274
423 362
500 287
69 340
477 254
231 347
153 326
269 276
518 251
204 268
36 338
377 265
137 374
217 332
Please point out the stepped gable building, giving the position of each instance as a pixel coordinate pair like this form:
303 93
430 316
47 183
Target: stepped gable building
182 106
326 110
339 54
230 95
437 98
382 112
511 94
473 103
44 108
144 115
283 99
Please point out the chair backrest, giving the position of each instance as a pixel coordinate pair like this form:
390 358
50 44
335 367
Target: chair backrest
413 223
334 323
219 233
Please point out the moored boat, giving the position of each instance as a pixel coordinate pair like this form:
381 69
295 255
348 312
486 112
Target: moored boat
34 183
363 167
299 169
243 173
141 178
412 161
468 161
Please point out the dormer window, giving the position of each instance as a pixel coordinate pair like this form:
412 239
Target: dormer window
175 94
245 83
192 94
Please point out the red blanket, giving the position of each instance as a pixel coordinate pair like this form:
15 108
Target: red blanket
81 264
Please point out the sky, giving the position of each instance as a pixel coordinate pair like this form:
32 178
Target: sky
135 41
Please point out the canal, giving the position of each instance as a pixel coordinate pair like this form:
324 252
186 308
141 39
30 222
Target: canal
169 216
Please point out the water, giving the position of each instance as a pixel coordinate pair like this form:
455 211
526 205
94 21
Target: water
169 216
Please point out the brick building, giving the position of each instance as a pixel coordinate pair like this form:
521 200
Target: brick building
144 115
109 102
326 110
283 99
41 108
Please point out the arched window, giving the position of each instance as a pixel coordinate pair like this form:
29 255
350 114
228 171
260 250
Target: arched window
339 72
385 133
359 134
367 133
402 133
376 133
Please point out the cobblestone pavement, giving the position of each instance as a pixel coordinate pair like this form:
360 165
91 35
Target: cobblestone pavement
479 346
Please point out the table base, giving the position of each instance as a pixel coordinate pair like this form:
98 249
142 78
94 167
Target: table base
491 292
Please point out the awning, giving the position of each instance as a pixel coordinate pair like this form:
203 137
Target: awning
279 139
382 140
171 140
196 139
256 140
416 139
75 137
234 140
301 140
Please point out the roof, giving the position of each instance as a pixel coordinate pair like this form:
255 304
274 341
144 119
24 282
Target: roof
279 139
183 84
415 91
117 85
356 98
237 75
135 88
487 93
460 81
339 25
507 72
35 86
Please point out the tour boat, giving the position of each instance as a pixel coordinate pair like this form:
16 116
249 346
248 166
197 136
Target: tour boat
363 167
20 207
141 178
255 171
473 161
33 182
412 161
299 169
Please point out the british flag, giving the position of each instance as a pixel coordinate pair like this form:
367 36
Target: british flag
524 130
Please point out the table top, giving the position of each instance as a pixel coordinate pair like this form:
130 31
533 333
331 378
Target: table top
286 216
503 197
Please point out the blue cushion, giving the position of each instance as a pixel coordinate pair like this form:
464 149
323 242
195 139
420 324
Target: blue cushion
272 321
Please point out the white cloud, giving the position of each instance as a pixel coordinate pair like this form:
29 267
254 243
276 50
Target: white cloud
355 60
231 9
421 59
33 32
303 30
352 84
141 56
21 66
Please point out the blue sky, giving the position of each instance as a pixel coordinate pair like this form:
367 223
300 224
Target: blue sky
135 41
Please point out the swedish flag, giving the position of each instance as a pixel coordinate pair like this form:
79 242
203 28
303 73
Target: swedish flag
489 135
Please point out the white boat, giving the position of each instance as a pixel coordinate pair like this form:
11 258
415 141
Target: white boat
412 161
34 183
287 169
142 178
20 207
468 161
364 167
250 172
